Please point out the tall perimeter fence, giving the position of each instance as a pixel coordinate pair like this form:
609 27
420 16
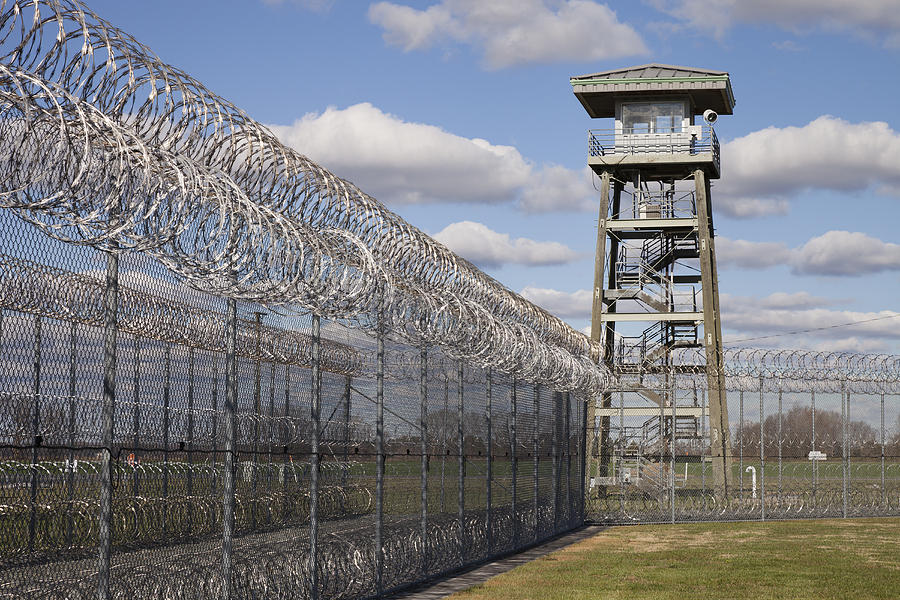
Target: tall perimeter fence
813 434
227 373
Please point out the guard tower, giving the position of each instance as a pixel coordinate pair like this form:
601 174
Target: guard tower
655 282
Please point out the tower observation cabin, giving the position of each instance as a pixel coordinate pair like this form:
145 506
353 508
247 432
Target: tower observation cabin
655 297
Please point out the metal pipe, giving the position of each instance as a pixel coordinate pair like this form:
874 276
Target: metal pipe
36 429
568 435
674 402
166 399
423 436
535 462
779 439
215 416
70 475
346 468
515 463
461 460
743 432
815 463
445 432
489 474
883 494
257 401
315 410
136 424
230 429
762 453
190 440
379 464
844 406
110 310
554 451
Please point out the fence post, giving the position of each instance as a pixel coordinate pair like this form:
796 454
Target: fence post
230 425
110 310
515 463
621 436
190 441
379 463
815 463
70 476
445 430
779 440
742 433
257 401
845 418
460 460
167 380
674 401
762 453
554 451
136 424
535 461
568 436
489 476
883 495
583 441
36 428
315 405
346 468
423 433
703 435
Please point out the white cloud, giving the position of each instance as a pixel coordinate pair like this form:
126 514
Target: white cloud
764 168
750 255
874 19
512 32
484 247
576 305
846 253
400 162
750 317
835 253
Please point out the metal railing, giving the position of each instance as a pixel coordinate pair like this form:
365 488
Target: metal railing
691 140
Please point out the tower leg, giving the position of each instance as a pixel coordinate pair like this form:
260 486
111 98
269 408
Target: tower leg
719 435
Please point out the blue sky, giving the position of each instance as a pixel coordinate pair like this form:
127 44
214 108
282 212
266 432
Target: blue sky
459 116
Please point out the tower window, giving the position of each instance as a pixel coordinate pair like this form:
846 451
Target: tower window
652 117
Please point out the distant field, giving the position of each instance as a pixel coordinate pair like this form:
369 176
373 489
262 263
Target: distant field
853 558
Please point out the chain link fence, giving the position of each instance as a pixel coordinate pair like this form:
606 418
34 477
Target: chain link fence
227 373
813 434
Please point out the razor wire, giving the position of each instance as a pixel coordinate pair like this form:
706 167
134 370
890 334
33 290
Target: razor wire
104 143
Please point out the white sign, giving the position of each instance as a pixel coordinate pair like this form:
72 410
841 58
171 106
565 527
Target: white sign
817 455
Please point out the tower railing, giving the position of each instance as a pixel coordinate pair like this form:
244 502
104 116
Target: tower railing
693 139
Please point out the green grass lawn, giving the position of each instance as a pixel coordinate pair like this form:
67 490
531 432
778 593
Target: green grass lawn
797 560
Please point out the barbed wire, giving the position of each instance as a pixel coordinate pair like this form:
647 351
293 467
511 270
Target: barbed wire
103 144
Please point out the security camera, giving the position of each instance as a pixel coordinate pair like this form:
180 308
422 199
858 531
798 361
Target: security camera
710 116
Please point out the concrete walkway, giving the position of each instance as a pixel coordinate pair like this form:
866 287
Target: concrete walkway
448 586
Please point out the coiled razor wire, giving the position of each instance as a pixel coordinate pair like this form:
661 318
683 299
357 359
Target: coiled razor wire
102 143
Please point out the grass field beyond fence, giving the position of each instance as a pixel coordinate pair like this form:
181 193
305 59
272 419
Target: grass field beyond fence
797 560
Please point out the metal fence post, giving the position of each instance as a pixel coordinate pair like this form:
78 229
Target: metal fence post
315 410
36 428
423 434
347 438
815 463
230 426
568 436
461 460
445 430
762 453
845 418
379 462
515 463
166 403
621 433
703 437
672 390
742 432
489 474
70 476
779 439
190 441
554 451
883 494
257 401
136 424
583 441
110 316
535 461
